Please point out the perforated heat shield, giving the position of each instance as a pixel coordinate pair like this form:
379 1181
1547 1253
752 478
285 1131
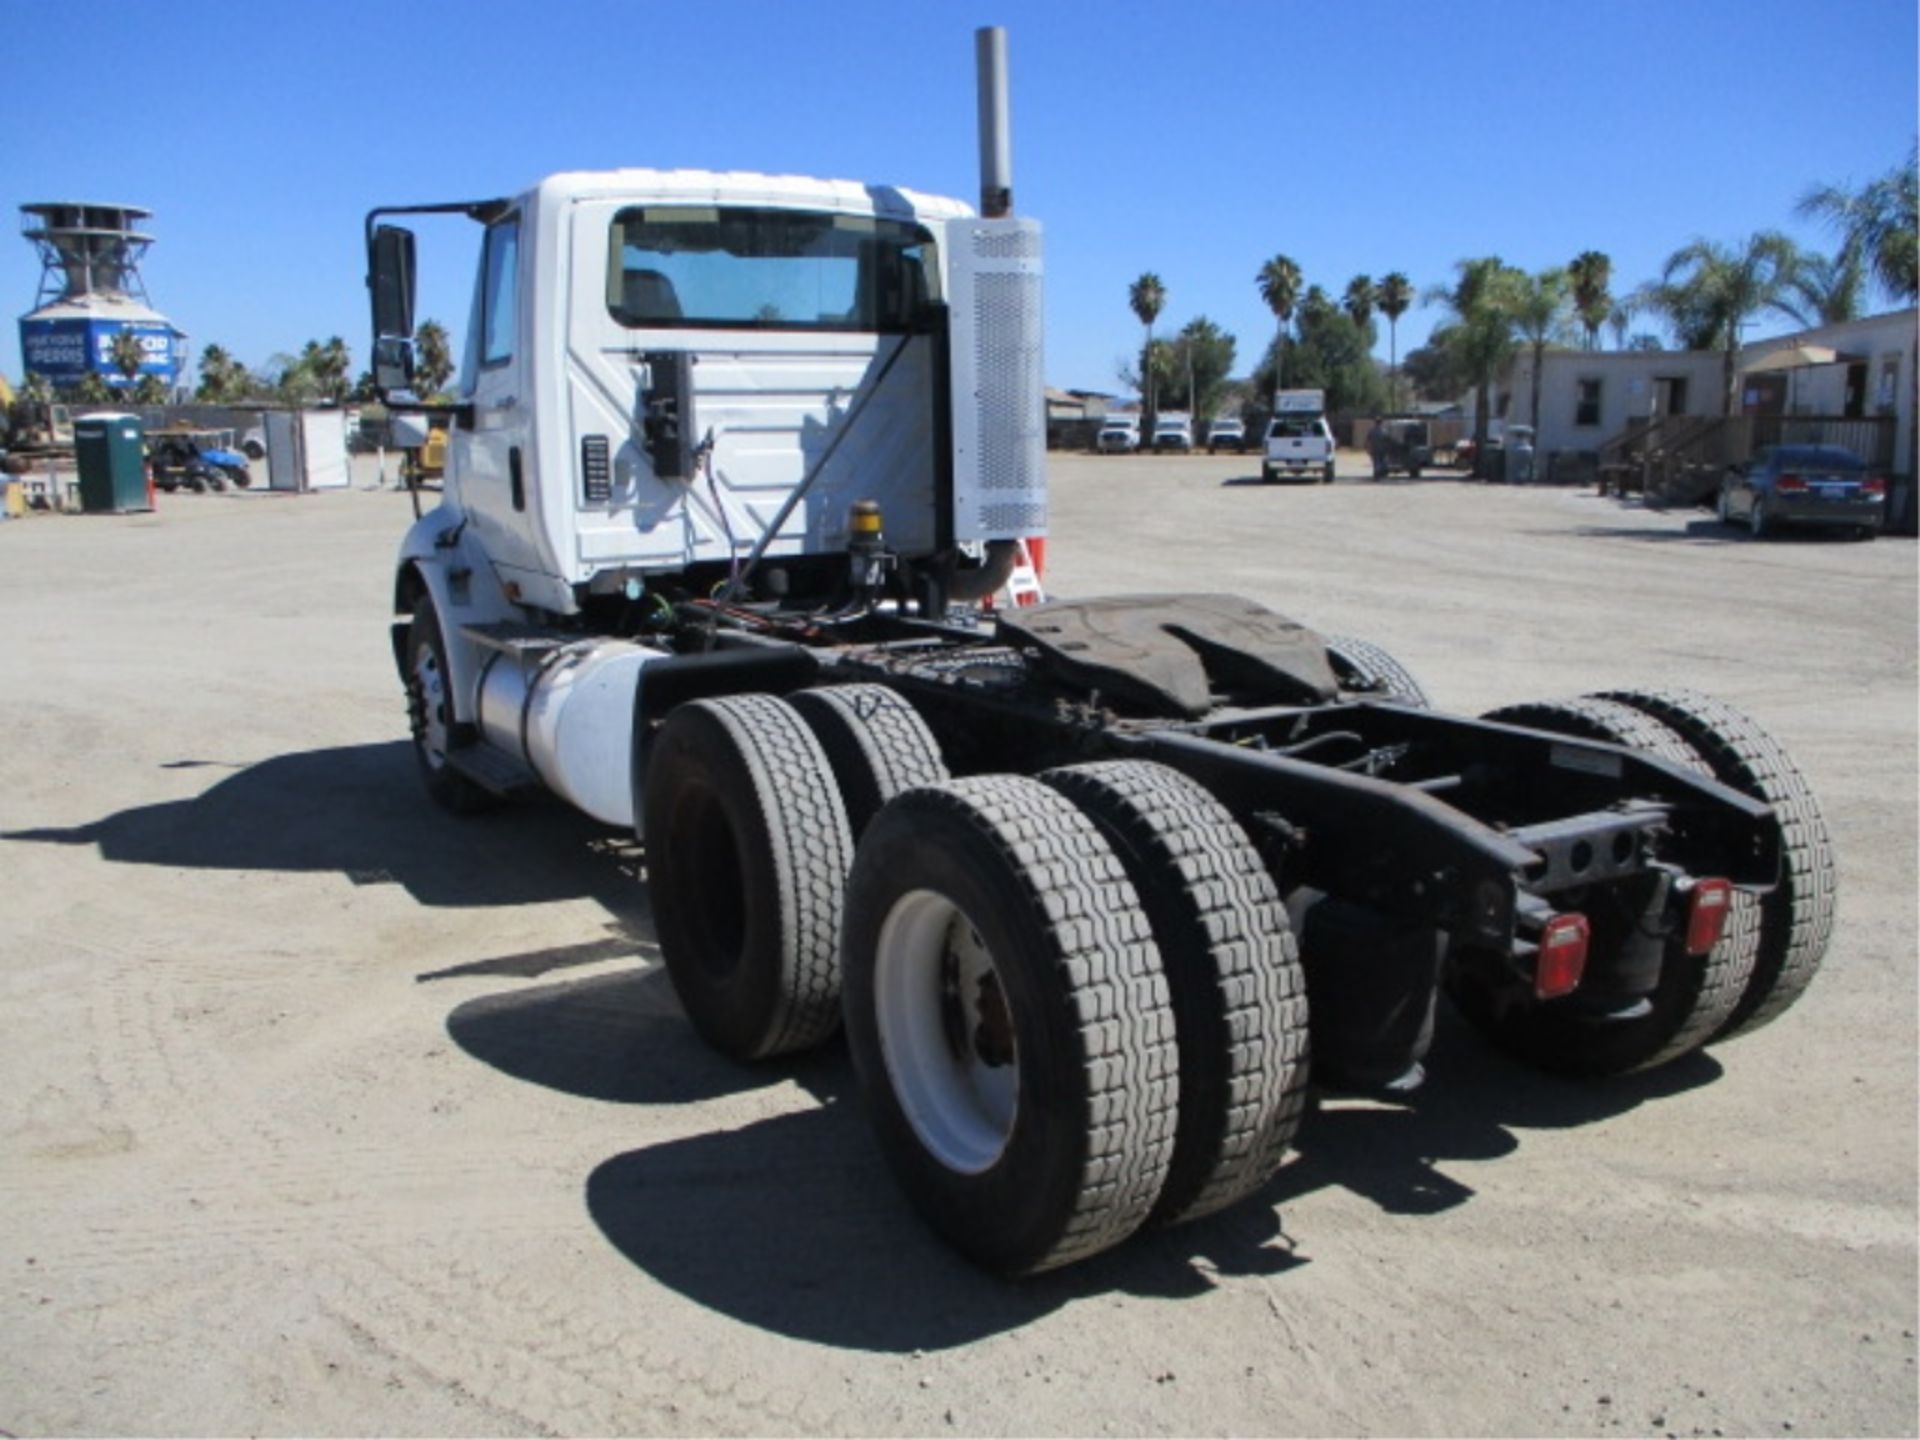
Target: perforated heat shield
999 397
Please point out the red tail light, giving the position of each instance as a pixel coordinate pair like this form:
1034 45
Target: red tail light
1563 956
1875 486
1707 915
1790 484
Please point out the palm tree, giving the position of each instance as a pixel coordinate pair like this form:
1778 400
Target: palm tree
1619 316
1393 297
1826 290
1279 282
1359 300
433 364
1148 297
1538 306
126 354
1726 288
1207 355
216 375
1480 338
1590 274
331 364
1878 224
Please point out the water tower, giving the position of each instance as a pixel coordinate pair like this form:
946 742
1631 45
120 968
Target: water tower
90 292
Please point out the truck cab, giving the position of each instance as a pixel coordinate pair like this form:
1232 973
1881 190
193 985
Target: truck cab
657 360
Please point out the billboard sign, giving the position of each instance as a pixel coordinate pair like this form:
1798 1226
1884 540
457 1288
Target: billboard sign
67 350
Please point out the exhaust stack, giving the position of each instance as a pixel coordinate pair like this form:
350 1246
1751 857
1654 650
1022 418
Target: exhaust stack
996 141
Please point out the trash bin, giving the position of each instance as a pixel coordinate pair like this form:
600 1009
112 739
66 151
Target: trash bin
112 462
1519 461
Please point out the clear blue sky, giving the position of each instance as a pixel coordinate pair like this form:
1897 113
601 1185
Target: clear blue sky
1193 140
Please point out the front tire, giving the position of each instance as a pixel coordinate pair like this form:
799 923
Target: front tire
1759 523
430 716
747 851
1009 1021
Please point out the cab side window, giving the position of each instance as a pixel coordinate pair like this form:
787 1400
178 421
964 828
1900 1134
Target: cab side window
500 293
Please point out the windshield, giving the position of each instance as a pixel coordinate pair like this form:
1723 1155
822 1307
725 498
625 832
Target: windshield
1295 430
701 265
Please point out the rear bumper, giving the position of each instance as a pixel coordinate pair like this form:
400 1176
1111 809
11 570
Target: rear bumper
1814 510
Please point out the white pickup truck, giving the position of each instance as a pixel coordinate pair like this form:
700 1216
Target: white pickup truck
1299 443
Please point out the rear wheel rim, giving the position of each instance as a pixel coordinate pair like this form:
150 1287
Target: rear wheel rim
946 1031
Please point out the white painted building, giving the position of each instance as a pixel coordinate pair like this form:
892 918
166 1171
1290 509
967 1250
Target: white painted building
1588 396
1860 369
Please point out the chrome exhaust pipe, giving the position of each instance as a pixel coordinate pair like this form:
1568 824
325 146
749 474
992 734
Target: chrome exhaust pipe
996 138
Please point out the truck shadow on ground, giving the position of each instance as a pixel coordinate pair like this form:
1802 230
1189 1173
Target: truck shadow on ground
358 810
791 1222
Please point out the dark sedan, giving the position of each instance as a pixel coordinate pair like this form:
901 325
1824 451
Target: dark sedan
1812 485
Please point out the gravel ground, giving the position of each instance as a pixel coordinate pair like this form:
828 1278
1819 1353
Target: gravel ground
327 1113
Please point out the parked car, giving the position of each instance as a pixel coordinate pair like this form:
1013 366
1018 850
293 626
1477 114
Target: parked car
1812 485
1227 434
1173 431
1399 444
1117 437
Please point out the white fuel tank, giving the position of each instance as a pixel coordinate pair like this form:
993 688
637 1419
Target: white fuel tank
568 717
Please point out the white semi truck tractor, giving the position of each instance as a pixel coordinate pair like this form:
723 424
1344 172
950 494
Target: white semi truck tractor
1094 888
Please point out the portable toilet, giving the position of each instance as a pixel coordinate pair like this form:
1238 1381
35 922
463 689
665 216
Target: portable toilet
112 460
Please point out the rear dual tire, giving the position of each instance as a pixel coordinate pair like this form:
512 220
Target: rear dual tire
1796 918
1772 945
1696 995
747 846
1075 1007
1010 1022
1365 671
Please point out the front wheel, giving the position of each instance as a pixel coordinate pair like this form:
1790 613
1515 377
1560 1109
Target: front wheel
1724 509
1009 1021
430 716
1759 523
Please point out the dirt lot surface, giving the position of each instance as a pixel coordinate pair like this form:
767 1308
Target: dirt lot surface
322 1112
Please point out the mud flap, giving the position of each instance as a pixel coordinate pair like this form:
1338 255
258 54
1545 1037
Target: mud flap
1372 985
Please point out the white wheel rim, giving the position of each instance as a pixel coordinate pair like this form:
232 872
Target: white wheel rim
946 1033
433 706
